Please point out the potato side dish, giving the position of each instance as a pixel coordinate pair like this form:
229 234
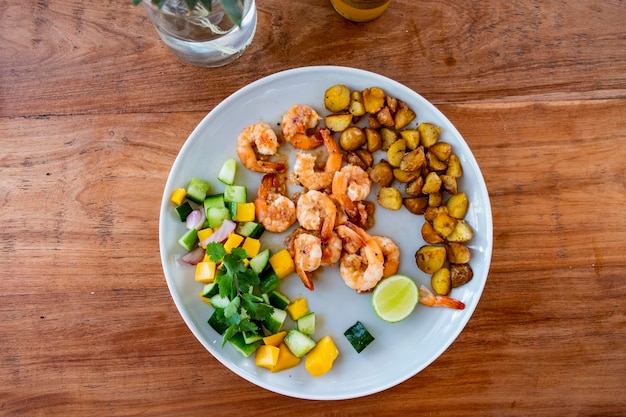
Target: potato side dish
418 171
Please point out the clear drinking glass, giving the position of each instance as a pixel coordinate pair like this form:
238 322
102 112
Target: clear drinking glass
201 37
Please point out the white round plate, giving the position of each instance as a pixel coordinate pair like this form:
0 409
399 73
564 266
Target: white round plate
399 350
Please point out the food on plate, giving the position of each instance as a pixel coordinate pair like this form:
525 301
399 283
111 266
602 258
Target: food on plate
395 298
326 223
427 298
255 141
298 125
352 138
358 336
337 98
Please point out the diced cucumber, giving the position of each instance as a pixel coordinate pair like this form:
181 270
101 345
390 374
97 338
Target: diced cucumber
275 322
242 347
232 209
214 200
250 229
219 301
197 190
298 343
269 281
259 262
183 211
252 336
236 193
189 239
278 299
358 336
209 290
218 322
228 171
216 216
306 323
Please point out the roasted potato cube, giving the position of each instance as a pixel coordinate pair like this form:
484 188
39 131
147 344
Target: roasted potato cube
373 121
390 198
338 122
405 176
382 174
396 152
373 99
384 117
460 274
449 184
454 167
441 281
337 98
457 253
442 150
388 137
352 138
414 188
432 183
462 232
356 107
429 235
412 160
444 224
429 134
430 259
435 199
457 205
416 205
361 158
434 163
432 212
404 116
412 137
373 139
392 103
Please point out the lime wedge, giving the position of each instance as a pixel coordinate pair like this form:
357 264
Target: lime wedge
395 298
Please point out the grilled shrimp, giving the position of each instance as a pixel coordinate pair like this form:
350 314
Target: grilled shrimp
362 270
273 209
304 168
258 139
296 123
316 211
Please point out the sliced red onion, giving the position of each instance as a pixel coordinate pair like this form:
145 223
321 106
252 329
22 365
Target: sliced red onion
196 219
194 256
221 233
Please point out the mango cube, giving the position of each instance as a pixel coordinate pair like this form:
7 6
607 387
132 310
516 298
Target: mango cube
298 308
267 356
252 246
275 339
233 241
245 212
286 359
282 263
205 272
320 359
178 195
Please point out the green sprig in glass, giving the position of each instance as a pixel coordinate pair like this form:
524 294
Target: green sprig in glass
233 8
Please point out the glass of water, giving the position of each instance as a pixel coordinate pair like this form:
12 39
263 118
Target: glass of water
202 37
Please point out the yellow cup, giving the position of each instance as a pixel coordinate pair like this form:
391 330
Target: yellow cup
360 10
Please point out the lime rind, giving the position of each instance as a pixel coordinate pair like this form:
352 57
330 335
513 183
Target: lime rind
395 298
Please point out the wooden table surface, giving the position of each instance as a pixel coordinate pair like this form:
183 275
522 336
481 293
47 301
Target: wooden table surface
94 109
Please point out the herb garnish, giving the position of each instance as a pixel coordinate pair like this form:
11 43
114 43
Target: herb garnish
245 309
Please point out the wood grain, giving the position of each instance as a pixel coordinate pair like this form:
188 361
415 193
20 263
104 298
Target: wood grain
94 109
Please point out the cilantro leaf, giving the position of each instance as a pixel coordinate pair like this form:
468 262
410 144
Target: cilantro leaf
247 325
239 252
226 284
232 307
230 332
216 251
256 310
246 279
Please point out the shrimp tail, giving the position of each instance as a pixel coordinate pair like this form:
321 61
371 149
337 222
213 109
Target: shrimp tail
302 141
305 277
427 298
